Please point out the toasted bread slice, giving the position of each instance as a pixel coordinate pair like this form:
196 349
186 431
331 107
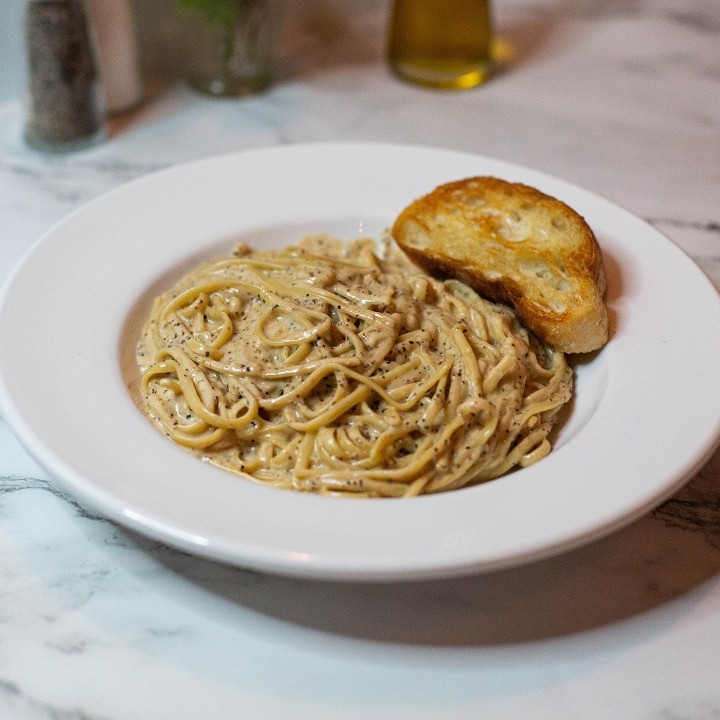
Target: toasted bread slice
517 246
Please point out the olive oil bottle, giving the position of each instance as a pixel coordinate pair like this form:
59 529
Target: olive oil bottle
441 43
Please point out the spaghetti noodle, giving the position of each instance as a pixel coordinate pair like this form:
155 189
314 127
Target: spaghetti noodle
342 368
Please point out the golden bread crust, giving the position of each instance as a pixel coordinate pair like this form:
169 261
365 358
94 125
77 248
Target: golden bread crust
514 245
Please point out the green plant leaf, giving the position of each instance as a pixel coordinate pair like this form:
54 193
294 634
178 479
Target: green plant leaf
223 12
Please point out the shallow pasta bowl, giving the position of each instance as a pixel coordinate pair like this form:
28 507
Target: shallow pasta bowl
644 418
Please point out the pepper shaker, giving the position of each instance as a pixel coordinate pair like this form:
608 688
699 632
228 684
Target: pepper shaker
65 102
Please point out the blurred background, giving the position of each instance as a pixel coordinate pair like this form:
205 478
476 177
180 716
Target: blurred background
11 48
322 24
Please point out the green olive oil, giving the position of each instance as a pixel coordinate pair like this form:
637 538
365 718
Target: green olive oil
441 43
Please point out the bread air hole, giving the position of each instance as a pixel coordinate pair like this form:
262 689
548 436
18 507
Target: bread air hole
416 236
538 268
514 227
474 201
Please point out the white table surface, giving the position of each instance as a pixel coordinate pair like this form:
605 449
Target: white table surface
96 623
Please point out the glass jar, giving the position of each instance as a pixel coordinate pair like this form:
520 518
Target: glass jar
441 43
64 104
229 44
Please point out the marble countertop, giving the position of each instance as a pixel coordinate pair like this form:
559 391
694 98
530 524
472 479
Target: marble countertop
97 623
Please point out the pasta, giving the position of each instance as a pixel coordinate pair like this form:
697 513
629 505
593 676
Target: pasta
341 368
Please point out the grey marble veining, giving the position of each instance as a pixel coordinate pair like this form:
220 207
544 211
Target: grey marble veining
99 623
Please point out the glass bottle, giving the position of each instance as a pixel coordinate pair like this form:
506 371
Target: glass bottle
441 43
64 105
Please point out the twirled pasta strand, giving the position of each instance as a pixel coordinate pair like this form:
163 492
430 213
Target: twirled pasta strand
332 368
